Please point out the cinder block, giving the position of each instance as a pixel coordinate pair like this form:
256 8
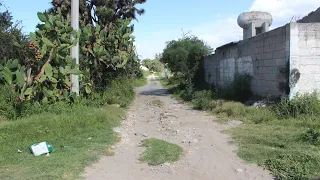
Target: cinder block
279 54
280 61
270 55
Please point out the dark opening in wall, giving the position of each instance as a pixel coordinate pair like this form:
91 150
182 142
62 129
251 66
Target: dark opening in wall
258 30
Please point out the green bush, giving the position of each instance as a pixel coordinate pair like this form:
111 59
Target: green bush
307 104
239 89
203 100
119 91
311 136
292 166
8 104
260 115
231 109
183 57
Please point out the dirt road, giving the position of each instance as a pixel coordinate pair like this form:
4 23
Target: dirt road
207 153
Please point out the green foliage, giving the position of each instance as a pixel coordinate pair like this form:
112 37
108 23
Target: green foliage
239 89
153 65
203 100
158 152
301 105
231 109
311 136
48 80
183 58
292 167
107 49
120 92
8 104
13 43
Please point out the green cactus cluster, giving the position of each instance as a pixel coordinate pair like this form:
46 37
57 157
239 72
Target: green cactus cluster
51 80
105 48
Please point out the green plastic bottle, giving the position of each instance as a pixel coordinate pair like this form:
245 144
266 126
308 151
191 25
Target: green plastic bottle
41 148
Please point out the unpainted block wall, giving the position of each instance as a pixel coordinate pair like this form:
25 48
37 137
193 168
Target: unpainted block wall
304 58
264 57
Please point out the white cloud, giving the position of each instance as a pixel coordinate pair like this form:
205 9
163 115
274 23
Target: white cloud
226 29
283 11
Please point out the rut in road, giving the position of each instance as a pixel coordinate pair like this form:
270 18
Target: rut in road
207 153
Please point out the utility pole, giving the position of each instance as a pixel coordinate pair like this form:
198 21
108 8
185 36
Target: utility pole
75 49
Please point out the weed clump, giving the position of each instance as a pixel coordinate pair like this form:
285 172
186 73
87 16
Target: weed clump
301 105
293 166
159 152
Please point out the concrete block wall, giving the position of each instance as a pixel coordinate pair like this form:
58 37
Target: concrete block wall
304 58
284 61
264 57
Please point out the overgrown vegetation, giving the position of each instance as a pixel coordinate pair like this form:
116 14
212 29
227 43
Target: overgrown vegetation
158 152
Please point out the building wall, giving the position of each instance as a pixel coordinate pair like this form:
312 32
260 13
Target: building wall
264 57
304 58
284 61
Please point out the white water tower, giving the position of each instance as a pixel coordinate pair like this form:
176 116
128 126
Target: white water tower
254 23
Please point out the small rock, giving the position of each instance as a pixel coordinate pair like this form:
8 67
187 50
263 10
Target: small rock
195 140
145 135
234 122
19 151
239 170
89 138
112 147
167 164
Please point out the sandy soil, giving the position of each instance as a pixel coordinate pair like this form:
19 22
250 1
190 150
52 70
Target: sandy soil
208 155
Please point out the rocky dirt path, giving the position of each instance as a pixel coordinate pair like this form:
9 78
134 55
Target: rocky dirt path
207 153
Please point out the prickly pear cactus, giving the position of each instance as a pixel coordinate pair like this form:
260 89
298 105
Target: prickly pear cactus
51 80
107 46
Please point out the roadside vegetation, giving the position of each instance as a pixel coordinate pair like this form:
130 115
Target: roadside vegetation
36 104
159 152
283 137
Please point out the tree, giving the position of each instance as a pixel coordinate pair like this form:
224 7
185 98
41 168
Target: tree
183 58
13 43
153 65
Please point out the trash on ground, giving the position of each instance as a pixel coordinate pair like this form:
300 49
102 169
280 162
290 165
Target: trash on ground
41 148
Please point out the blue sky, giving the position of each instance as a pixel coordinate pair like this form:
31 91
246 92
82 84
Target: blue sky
211 20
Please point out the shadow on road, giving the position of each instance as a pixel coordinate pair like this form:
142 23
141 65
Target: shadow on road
155 92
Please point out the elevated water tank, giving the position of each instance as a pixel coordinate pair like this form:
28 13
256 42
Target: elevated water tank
254 23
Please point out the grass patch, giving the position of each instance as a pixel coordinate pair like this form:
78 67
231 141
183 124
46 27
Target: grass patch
138 82
86 130
286 148
157 102
158 152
